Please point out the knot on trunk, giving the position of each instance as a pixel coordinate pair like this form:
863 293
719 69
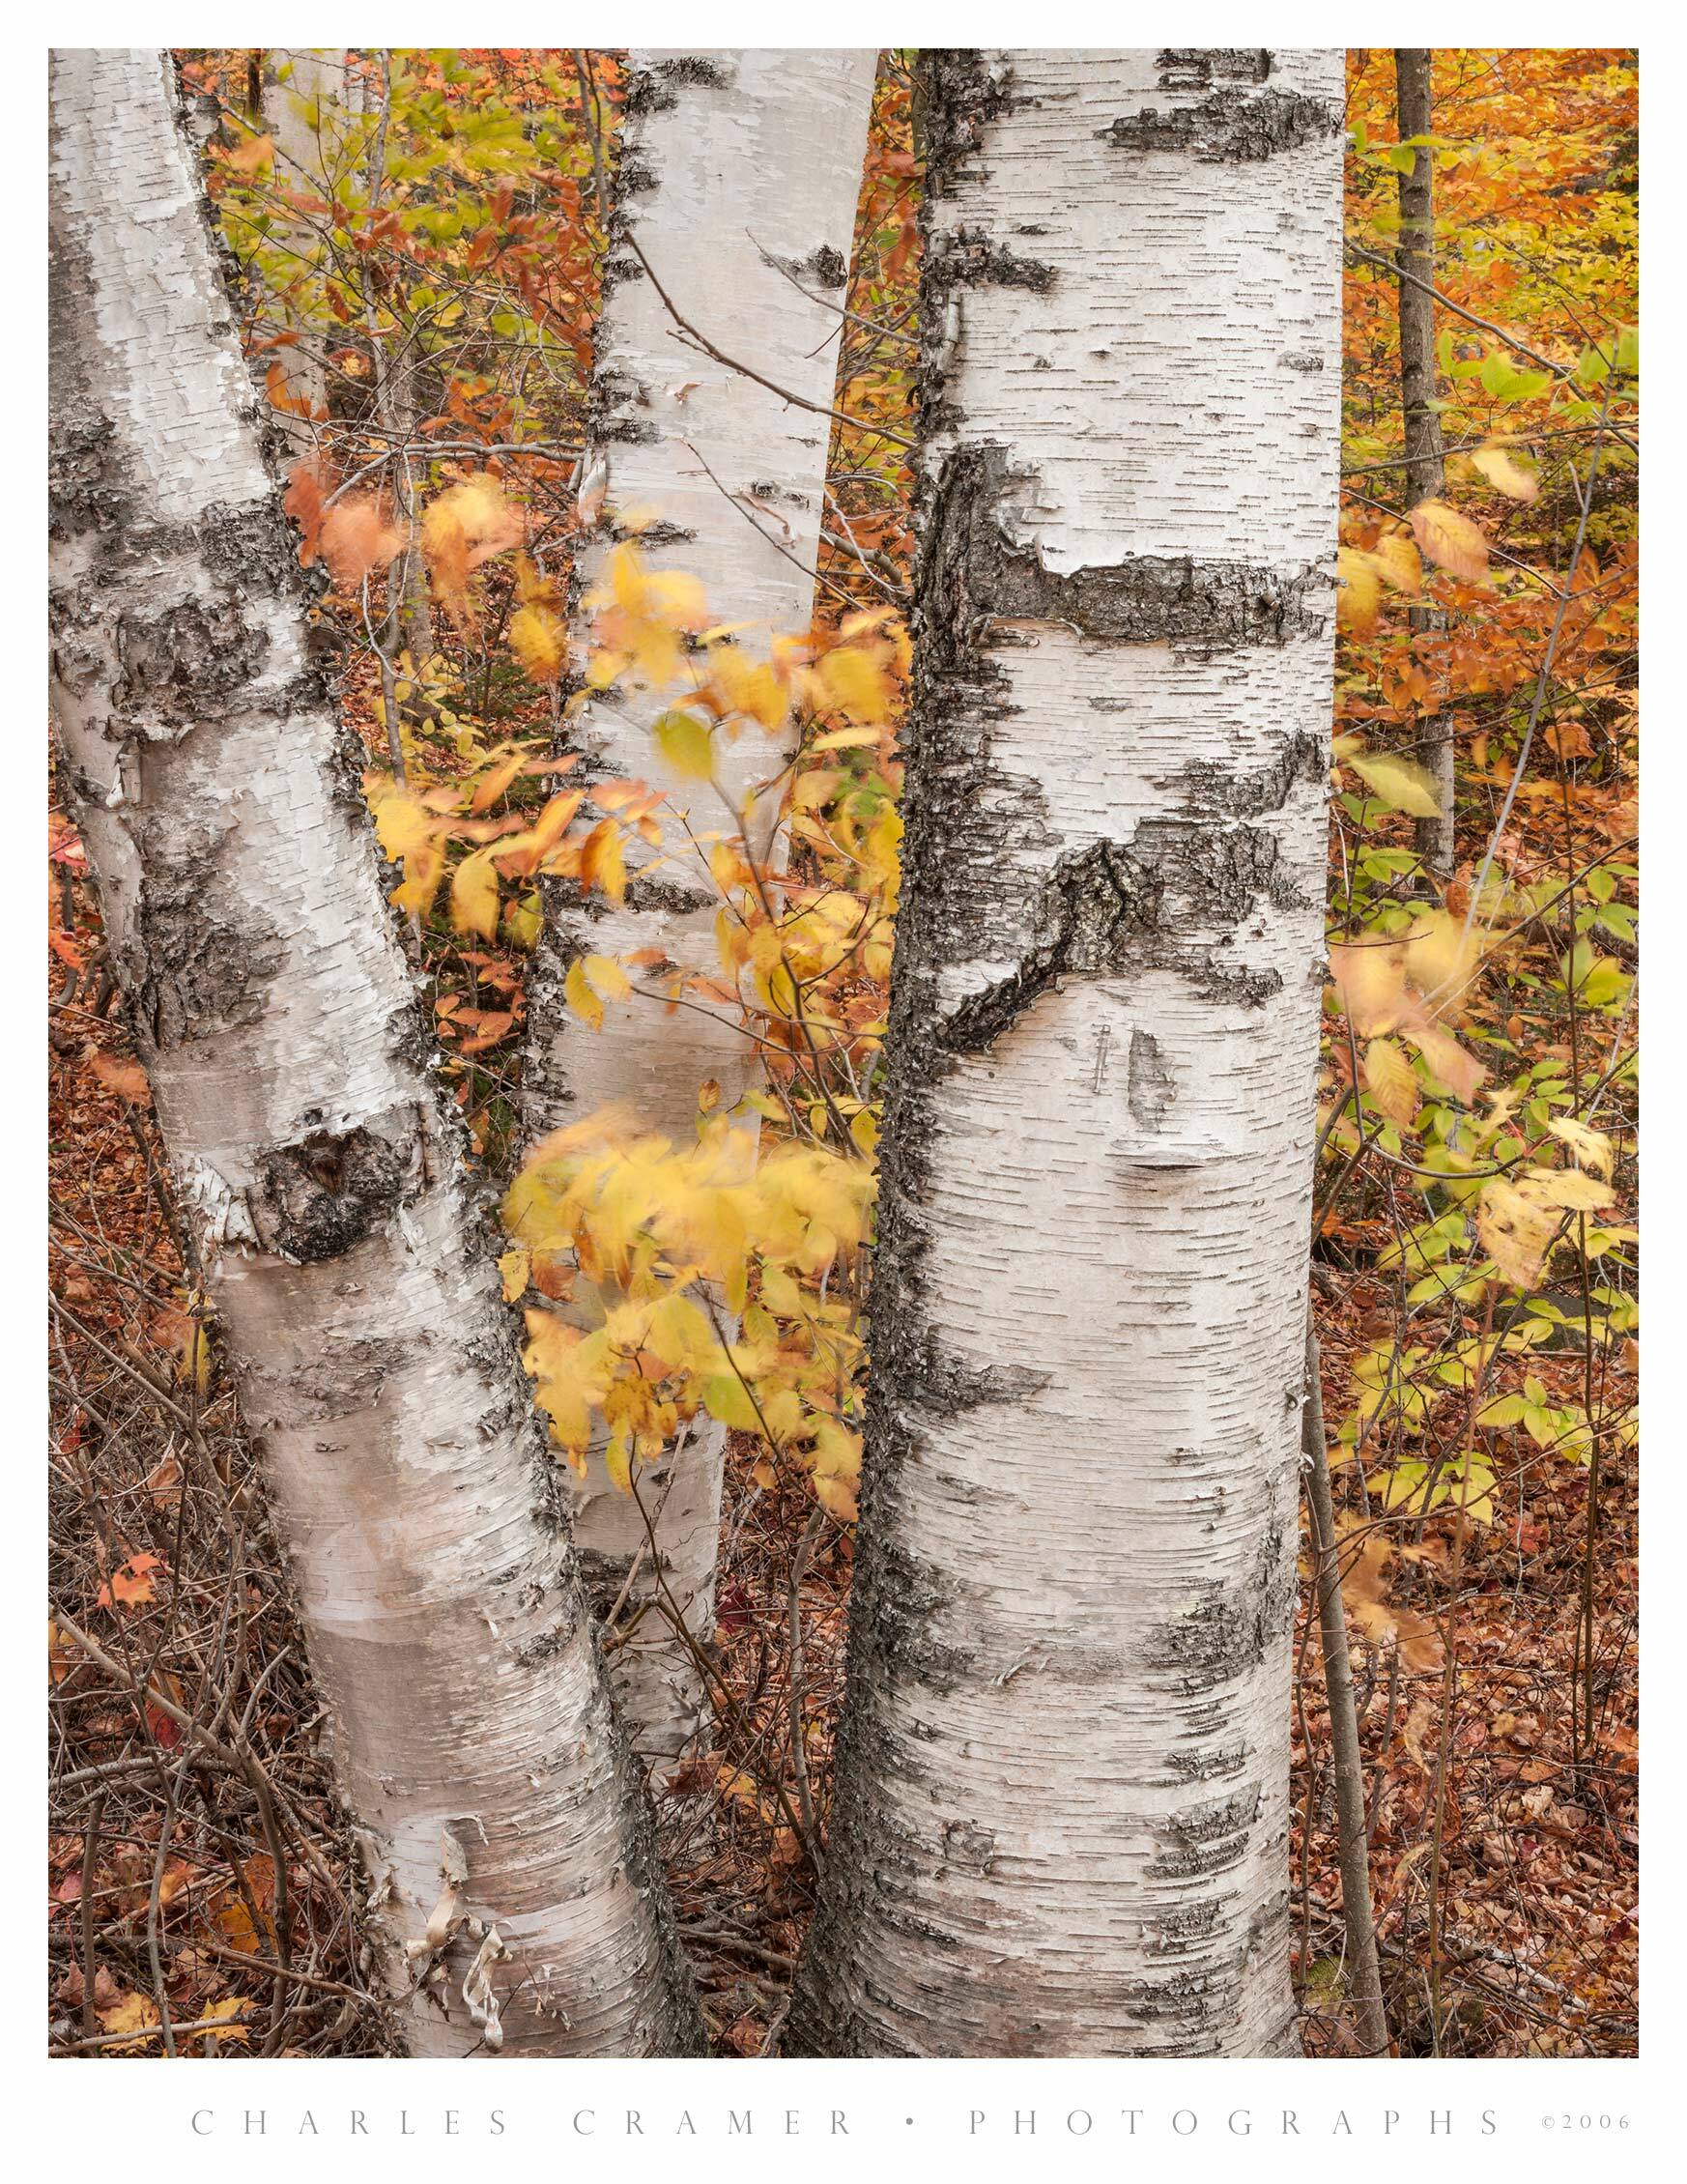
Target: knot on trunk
320 1197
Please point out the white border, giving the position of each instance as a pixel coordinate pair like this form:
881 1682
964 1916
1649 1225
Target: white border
134 2119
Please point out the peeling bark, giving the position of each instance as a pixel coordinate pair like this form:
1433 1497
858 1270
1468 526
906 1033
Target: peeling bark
1061 1816
739 175
319 1168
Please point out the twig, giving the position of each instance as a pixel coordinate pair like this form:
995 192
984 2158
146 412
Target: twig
1364 1979
702 341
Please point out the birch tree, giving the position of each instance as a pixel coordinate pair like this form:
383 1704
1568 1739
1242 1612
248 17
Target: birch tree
302 87
513 1895
1061 1809
738 178
1425 456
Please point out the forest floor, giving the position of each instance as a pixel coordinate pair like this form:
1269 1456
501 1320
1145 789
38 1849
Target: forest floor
202 1895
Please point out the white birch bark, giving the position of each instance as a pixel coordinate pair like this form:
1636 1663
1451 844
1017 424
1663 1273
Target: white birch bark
739 174
303 85
316 1160
1061 1816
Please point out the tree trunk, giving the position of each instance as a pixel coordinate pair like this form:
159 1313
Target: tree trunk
739 175
300 84
1364 1979
1061 1816
1425 462
315 1157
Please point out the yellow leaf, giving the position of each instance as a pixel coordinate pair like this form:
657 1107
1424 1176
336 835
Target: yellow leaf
1505 473
681 1333
1361 592
1396 560
228 2010
133 2014
1460 1072
603 862
607 977
539 643
496 780
1401 784
853 684
1591 1148
686 745
1441 956
837 1496
475 896
1390 1081
580 997
1570 1189
725 1399
1450 539
523 920
1368 976
1515 1232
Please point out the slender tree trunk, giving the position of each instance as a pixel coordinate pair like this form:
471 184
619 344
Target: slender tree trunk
315 1158
1364 1979
738 179
1061 1816
409 620
1425 463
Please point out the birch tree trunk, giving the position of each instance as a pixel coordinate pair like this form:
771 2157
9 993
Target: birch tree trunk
301 84
1062 1808
1426 454
738 180
316 1160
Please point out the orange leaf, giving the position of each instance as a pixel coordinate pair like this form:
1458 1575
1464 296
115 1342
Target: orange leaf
1450 539
128 1079
356 541
131 1583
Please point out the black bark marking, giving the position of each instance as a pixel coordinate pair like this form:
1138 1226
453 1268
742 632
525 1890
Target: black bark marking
633 178
192 970
318 1198
651 91
1143 599
677 900
966 1844
84 494
1181 1928
626 432
1209 789
825 266
945 1383
1196 67
1211 1763
969 259
660 532
961 93
1229 123
1151 1090
1232 1625
186 664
